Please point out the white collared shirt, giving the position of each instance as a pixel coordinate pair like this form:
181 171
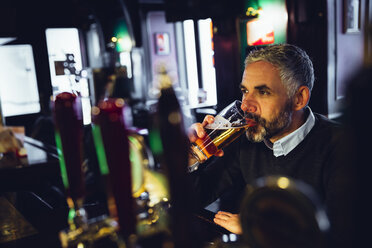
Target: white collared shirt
286 144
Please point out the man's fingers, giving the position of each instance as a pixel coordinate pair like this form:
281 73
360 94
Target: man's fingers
192 134
196 131
199 129
221 217
219 153
224 213
228 221
220 222
208 119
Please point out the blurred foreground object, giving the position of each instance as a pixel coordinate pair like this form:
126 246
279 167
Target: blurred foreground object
356 109
109 122
185 230
283 212
81 232
9 143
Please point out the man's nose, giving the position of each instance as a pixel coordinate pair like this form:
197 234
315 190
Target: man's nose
249 106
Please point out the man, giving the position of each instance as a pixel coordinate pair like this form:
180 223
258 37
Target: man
289 139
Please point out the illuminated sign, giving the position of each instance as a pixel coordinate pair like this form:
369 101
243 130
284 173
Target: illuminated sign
162 46
259 32
121 37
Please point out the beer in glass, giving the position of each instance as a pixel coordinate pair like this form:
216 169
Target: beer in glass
228 125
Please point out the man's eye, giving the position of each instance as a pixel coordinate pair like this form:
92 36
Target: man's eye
264 92
244 91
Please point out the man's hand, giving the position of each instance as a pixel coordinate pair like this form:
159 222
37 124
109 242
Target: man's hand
229 221
197 131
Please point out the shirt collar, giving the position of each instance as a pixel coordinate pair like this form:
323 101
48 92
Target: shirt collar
286 144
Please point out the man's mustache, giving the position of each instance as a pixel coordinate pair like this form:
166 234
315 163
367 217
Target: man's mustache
252 116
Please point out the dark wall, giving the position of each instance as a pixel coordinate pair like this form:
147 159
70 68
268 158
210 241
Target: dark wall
227 62
307 28
349 53
318 27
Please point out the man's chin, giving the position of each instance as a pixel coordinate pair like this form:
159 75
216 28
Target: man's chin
255 135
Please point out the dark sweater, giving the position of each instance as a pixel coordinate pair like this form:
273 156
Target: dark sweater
320 160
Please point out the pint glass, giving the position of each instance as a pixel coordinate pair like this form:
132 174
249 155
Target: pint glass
228 125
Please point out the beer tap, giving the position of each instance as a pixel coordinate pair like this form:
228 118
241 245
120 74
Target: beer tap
175 162
81 231
110 128
68 123
137 194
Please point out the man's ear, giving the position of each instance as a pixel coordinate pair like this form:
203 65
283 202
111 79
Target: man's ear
301 98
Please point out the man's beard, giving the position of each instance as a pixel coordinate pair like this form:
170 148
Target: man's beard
266 129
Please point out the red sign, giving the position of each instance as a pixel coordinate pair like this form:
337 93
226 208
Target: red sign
259 32
162 43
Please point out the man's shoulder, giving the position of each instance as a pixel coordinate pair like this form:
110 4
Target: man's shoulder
327 128
323 121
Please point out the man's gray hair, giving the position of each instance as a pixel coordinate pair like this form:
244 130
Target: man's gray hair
294 65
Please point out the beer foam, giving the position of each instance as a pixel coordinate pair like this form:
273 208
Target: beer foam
219 122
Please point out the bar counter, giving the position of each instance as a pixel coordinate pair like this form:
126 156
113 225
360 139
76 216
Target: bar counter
26 219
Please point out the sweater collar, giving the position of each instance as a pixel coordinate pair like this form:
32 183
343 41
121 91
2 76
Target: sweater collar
286 144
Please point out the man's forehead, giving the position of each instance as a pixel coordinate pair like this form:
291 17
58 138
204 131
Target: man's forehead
261 71
261 67
262 74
